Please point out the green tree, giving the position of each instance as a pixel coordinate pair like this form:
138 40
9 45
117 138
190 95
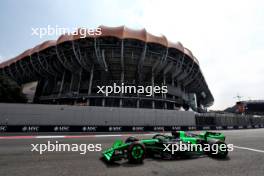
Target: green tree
10 91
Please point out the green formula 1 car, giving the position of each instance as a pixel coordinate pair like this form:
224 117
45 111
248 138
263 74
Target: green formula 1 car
168 146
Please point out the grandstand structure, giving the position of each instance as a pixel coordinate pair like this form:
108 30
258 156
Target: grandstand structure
253 107
69 69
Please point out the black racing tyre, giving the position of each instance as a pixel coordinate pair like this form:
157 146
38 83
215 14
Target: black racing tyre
221 154
131 139
136 152
167 155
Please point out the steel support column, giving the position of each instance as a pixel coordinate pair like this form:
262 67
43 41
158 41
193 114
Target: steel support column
122 72
62 83
153 95
173 97
164 95
90 84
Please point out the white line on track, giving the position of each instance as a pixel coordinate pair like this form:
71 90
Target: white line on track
73 136
120 135
48 137
251 149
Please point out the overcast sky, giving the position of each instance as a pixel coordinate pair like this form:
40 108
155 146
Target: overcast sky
226 36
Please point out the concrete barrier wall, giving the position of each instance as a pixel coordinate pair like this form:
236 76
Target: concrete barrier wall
216 119
60 118
36 114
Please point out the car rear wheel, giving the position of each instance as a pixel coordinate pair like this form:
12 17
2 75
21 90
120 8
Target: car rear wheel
222 151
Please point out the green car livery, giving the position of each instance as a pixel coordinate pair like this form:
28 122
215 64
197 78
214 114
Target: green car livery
168 146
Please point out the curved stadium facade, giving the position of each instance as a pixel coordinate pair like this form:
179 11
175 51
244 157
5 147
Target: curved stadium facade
69 69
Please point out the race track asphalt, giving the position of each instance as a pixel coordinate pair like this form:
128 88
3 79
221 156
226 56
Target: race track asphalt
16 158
